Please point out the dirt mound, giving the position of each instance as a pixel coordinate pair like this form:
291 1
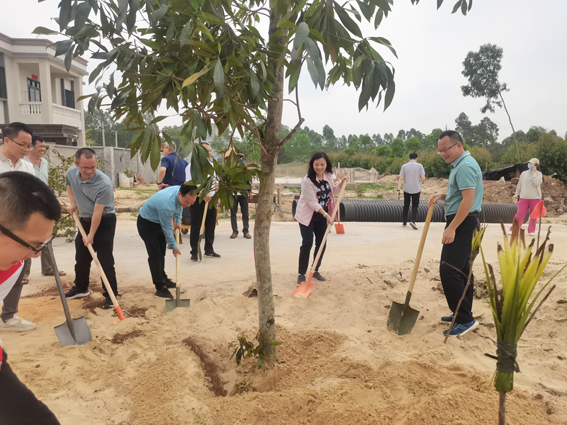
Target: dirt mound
553 190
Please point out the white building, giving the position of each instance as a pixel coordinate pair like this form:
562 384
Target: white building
36 89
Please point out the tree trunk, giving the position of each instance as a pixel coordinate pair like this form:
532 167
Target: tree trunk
502 410
511 125
269 156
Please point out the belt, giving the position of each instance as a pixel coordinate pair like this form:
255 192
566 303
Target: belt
471 214
88 219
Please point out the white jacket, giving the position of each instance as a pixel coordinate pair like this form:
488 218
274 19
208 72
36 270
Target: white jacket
529 185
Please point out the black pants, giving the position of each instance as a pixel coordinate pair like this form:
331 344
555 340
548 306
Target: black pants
458 255
152 235
103 245
197 211
243 201
317 227
18 405
414 204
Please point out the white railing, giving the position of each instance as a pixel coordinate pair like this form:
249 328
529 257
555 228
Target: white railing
30 108
63 111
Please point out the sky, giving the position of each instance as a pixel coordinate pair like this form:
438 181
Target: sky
431 45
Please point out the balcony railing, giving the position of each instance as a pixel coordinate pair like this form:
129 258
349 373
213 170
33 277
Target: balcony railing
62 111
30 108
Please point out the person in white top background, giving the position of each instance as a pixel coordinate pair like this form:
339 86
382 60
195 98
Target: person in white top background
529 192
17 139
41 170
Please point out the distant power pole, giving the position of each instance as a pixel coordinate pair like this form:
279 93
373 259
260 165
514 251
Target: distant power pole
103 142
116 138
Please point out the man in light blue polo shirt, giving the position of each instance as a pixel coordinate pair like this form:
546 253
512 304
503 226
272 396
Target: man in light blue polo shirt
91 195
462 212
156 230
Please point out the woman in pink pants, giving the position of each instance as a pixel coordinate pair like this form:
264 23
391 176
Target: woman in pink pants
529 192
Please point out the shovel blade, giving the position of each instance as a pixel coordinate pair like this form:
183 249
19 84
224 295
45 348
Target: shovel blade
304 290
340 229
402 318
171 305
80 328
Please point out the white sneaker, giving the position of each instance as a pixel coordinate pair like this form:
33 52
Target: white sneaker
17 324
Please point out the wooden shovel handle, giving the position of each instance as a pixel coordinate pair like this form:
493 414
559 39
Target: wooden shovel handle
339 212
177 259
204 217
421 245
100 270
328 228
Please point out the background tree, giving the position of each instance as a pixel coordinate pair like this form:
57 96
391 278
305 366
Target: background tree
402 135
383 150
398 150
481 69
207 61
366 142
483 134
388 137
377 139
412 144
354 142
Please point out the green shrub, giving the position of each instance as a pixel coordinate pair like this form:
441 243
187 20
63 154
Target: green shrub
383 150
482 156
527 152
396 165
434 165
552 154
379 164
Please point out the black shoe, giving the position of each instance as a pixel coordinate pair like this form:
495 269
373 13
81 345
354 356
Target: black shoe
194 257
163 292
300 279
107 303
412 224
212 255
247 236
170 284
234 235
320 278
74 293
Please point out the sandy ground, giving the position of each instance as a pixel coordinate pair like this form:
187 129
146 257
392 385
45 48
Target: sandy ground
337 364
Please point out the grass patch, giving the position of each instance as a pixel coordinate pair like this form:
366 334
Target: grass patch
293 189
141 193
363 187
134 214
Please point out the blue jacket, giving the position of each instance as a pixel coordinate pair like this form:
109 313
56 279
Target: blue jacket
175 169
162 208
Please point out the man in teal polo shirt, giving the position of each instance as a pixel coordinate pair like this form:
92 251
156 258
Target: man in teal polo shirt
156 230
462 212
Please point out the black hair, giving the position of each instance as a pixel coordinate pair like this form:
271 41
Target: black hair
86 152
311 174
187 189
453 135
205 143
21 195
14 128
36 139
413 155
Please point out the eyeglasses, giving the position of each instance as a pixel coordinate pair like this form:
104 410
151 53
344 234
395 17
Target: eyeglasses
445 150
26 147
24 243
87 168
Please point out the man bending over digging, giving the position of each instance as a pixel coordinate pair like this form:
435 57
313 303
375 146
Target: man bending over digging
462 212
155 229
28 211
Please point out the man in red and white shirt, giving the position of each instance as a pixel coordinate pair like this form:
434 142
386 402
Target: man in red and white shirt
28 211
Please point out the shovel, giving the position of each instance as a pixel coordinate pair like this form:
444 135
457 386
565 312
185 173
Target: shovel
402 317
305 289
339 228
100 270
202 232
73 331
171 305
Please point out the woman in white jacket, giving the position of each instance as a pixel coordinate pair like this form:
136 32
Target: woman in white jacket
529 192
315 208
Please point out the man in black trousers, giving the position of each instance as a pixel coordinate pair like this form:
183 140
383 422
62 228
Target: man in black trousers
462 212
197 211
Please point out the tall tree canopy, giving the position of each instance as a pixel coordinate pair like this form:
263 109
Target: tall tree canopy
207 61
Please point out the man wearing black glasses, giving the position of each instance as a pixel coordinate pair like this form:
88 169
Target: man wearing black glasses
17 143
462 212
26 226
91 195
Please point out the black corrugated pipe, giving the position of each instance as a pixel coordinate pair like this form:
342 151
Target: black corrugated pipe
391 211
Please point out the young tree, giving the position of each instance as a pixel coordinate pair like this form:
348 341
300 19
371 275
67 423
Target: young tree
207 61
398 148
481 69
365 142
412 144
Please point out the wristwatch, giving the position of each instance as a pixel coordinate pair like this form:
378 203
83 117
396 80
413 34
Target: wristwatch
158 183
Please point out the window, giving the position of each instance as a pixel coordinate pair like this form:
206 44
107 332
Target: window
34 91
3 88
67 96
